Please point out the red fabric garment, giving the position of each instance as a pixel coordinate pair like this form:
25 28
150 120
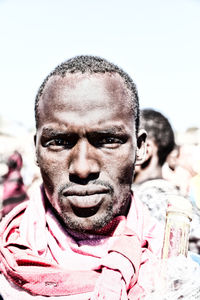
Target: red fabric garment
39 255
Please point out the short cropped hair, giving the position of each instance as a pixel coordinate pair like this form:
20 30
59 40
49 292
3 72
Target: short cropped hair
159 130
91 65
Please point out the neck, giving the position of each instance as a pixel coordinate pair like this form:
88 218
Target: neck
152 171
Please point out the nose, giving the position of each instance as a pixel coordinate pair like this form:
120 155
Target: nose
84 162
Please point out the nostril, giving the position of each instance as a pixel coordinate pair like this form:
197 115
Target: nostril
83 181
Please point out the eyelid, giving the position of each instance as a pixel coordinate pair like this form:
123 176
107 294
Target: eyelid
67 140
102 139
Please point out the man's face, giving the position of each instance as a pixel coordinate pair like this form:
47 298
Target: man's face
85 147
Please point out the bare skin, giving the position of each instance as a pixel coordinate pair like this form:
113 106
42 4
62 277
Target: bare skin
150 169
86 148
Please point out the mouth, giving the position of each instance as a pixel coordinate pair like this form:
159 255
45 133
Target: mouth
87 211
85 202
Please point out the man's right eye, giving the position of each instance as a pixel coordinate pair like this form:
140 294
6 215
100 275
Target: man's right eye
59 143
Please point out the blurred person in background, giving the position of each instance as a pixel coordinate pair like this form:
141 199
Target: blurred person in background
14 191
186 175
185 172
149 184
169 169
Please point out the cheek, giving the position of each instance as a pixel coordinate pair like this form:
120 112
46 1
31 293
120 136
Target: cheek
51 169
126 175
49 161
121 167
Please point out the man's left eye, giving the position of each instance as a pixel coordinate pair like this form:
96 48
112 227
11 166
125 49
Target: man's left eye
108 142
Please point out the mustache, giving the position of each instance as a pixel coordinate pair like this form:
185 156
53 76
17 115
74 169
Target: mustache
95 182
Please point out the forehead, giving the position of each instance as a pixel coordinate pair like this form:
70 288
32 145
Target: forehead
82 93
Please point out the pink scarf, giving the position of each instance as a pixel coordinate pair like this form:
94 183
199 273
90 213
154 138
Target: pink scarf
40 256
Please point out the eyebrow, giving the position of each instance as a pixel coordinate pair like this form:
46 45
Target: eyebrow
109 130
50 132
113 129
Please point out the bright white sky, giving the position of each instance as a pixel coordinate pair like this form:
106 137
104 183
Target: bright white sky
157 42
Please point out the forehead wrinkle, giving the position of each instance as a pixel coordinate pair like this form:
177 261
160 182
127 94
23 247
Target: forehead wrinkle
113 82
112 85
72 88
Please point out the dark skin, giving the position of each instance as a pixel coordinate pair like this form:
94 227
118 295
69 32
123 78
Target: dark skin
150 169
86 148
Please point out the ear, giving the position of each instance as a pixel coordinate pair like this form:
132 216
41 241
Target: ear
141 147
150 148
35 139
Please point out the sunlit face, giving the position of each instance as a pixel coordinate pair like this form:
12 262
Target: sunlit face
86 147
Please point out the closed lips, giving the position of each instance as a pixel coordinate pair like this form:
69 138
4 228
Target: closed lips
86 201
85 198
85 192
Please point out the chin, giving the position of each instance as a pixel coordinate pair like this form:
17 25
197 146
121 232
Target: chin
89 224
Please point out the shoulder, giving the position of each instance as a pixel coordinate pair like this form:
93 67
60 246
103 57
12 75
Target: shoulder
156 186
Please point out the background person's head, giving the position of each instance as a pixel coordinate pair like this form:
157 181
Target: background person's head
87 141
15 161
160 143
